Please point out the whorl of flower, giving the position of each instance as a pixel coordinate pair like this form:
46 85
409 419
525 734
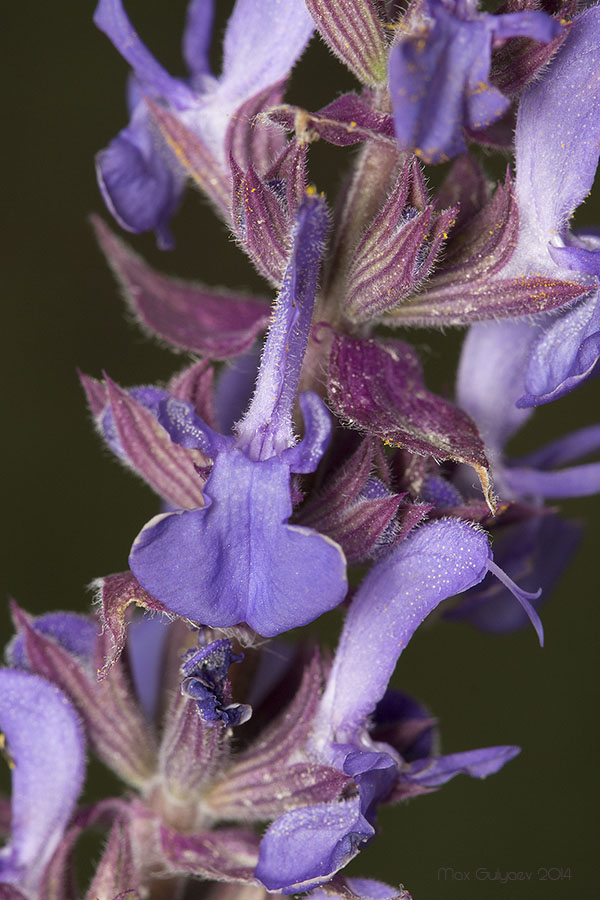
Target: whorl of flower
314 763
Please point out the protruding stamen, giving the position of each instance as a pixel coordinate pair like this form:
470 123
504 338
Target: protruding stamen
205 681
522 596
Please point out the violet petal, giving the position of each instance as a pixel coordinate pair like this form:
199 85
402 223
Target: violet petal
139 188
432 70
146 644
565 355
491 375
574 481
282 32
187 429
558 140
432 773
306 846
111 18
251 568
46 743
197 36
565 449
439 75
438 560
307 453
267 426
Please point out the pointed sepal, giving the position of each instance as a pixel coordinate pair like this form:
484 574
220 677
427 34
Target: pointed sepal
228 854
173 472
378 387
114 724
214 323
117 873
115 594
251 139
345 121
469 285
261 222
191 752
354 31
356 511
397 250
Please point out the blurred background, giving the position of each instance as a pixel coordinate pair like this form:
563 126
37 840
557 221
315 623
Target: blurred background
71 511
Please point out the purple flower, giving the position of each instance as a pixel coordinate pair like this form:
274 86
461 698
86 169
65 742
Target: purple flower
439 73
236 560
306 846
139 177
490 380
46 750
194 775
557 147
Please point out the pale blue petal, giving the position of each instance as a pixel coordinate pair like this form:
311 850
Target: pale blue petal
491 378
45 741
306 846
197 36
111 18
558 141
437 561
564 356
236 560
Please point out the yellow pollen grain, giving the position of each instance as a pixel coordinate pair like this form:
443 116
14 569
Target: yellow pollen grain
4 751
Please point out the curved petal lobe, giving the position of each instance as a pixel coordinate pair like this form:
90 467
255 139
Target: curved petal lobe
237 560
439 560
46 744
306 846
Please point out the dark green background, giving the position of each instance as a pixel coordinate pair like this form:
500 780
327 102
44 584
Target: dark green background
71 512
